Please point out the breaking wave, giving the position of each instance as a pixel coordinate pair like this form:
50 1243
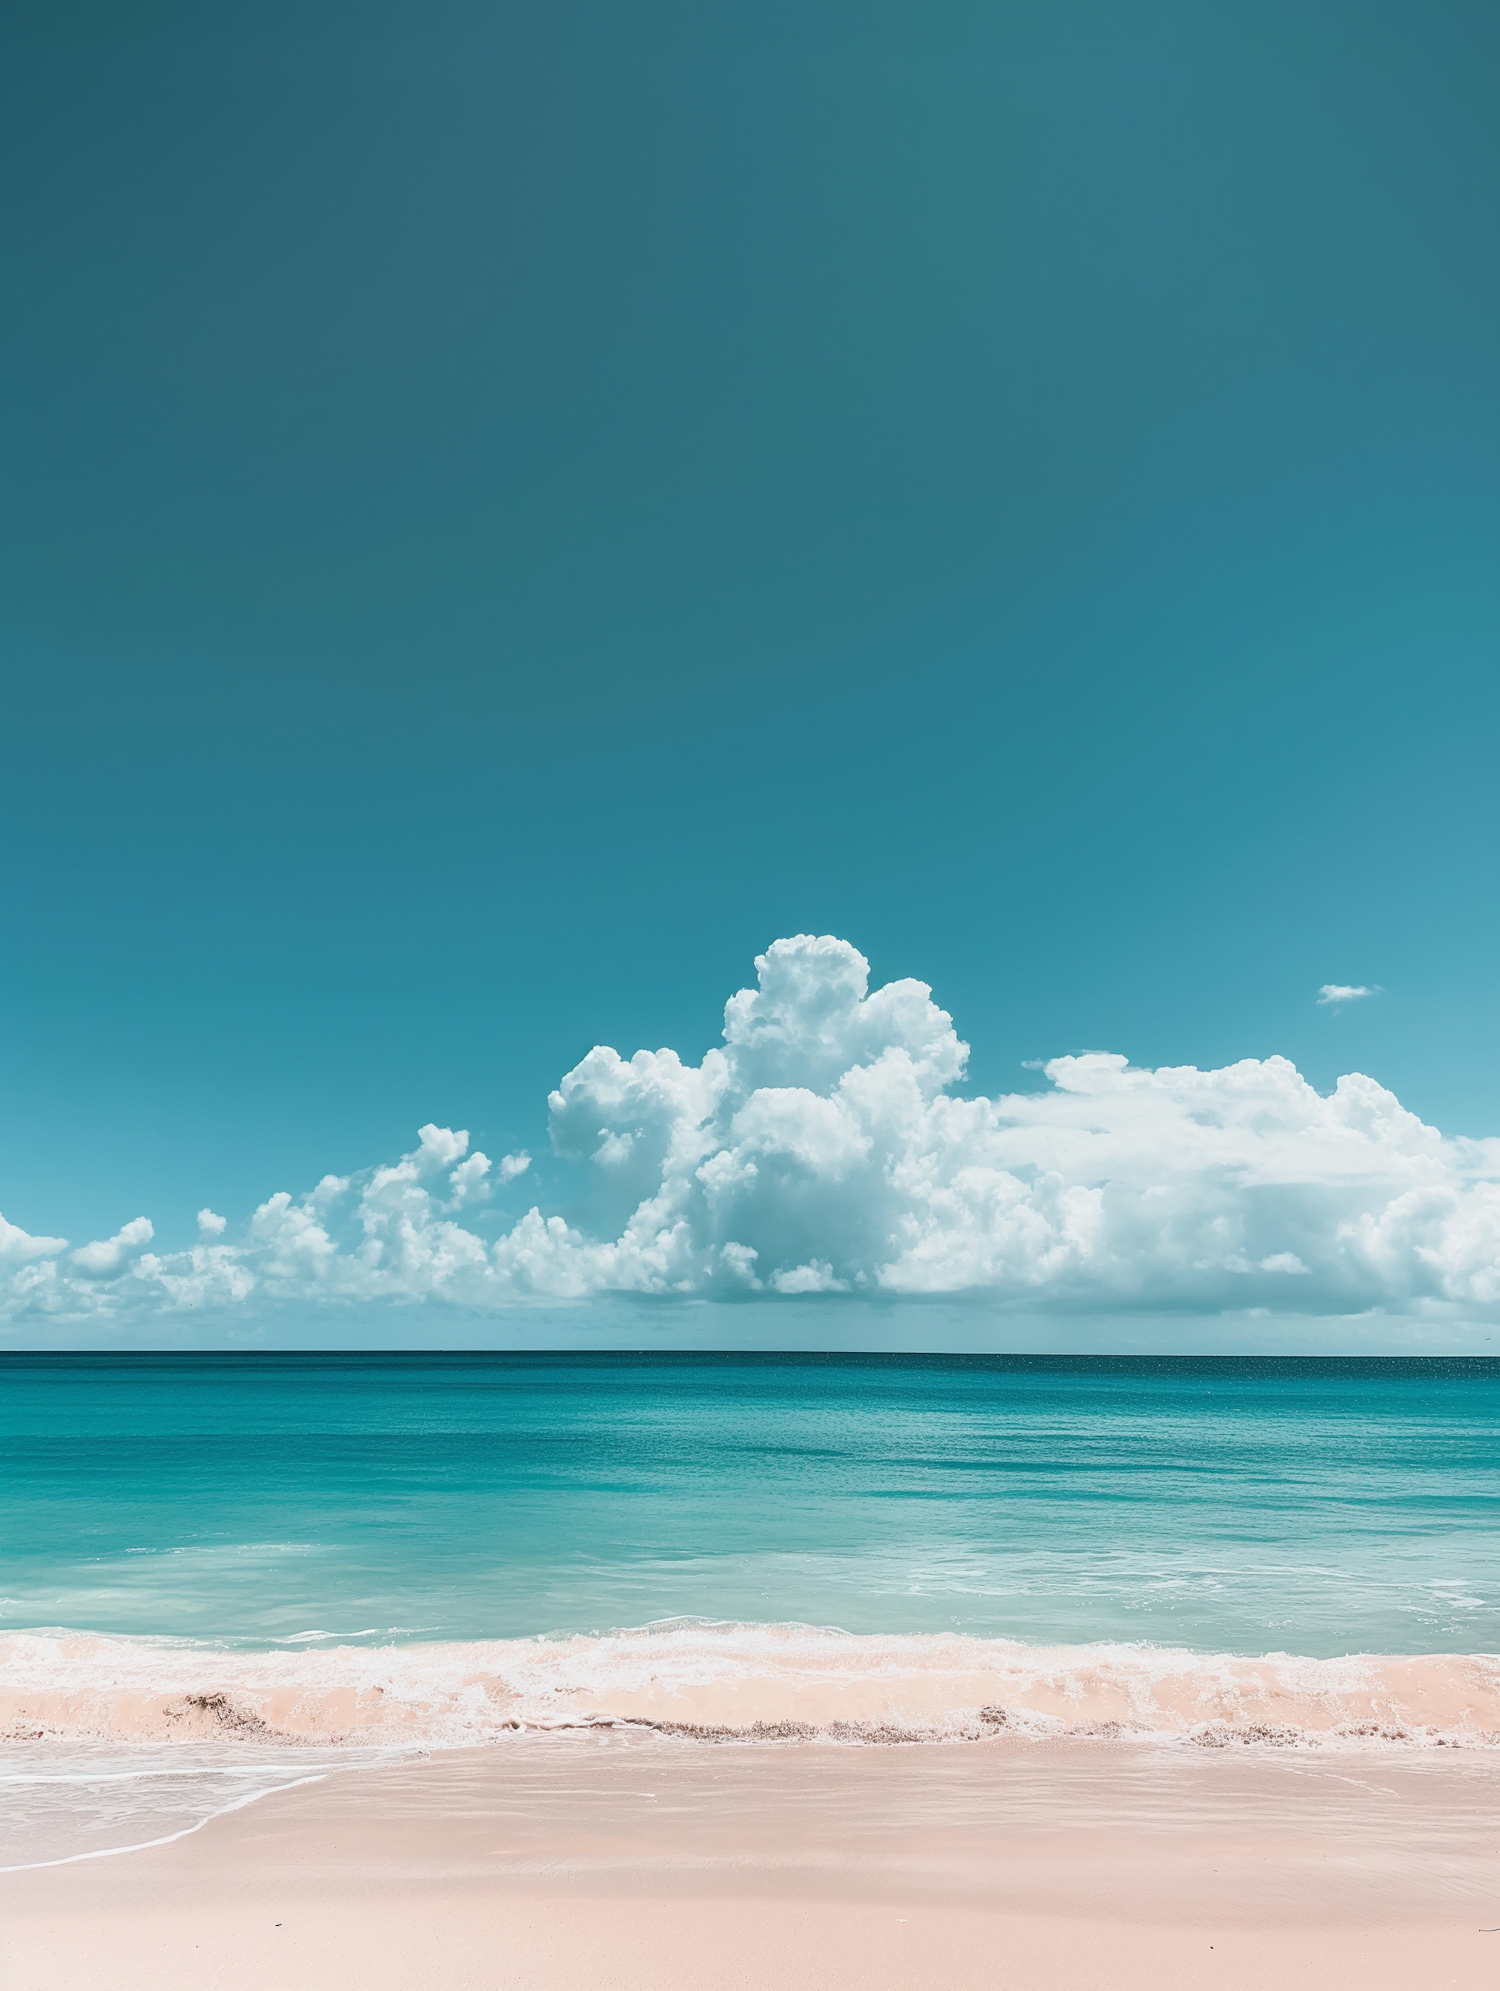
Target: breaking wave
721 1681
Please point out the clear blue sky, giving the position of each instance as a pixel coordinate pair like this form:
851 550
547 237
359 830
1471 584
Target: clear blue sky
508 509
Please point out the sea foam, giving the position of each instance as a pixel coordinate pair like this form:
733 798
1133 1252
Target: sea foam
719 1681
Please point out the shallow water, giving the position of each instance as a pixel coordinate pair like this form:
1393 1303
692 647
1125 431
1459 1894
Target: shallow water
231 1524
83 1799
1231 1505
974 1821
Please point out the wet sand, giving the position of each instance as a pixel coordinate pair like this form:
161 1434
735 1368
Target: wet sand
622 1859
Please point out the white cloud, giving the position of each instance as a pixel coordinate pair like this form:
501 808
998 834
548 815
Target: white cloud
1332 994
106 1255
20 1246
211 1224
815 1277
822 1149
470 1180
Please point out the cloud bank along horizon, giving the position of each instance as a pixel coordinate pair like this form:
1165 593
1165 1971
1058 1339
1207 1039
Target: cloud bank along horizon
825 1150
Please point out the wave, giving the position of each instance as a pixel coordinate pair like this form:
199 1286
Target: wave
68 1799
721 1681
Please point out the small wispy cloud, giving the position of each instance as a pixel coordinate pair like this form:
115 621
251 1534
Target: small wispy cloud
1333 993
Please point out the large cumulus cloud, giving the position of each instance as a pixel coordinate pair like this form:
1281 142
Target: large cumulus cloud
824 1149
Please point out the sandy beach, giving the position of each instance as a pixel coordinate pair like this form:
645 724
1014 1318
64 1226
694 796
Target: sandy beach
634 1860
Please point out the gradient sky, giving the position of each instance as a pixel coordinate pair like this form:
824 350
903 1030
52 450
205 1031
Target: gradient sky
508 510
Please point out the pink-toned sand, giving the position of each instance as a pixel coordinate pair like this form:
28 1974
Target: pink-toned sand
555 1862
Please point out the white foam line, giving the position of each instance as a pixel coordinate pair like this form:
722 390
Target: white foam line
111 1852
136 1776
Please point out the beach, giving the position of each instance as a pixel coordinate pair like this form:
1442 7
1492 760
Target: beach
749 1116
533 1673
632 1859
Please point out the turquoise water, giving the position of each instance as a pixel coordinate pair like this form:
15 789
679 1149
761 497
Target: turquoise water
1228 1505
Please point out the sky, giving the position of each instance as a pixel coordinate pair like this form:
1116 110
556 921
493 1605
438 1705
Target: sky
511 511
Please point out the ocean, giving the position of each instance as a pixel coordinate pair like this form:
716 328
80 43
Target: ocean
217 1570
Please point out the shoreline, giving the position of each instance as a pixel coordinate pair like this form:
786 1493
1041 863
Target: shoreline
635 1860
724 1680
